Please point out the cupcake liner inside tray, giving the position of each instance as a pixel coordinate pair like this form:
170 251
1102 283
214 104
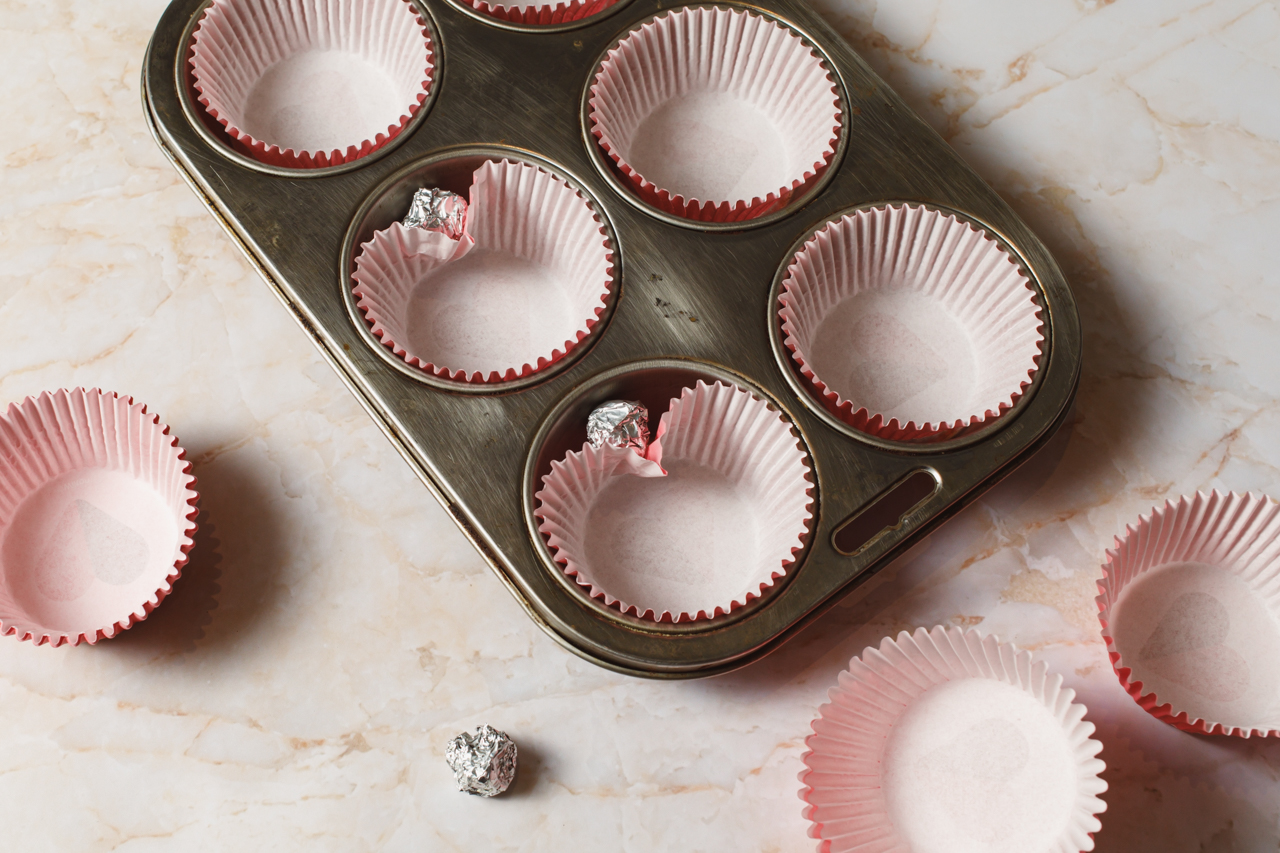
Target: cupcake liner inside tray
588 280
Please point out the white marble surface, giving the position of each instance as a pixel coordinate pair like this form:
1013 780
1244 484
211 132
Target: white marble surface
298 689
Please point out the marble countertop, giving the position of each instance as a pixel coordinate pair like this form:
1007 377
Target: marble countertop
335 630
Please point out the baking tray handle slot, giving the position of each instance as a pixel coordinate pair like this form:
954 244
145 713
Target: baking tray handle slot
886 513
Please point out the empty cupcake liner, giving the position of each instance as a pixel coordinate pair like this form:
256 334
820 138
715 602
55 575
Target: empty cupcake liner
947 740
542 14
97 514
709 517
716 115
1190 612
527 282
306 84
911 324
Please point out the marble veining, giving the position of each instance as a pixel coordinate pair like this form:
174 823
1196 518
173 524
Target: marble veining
335 630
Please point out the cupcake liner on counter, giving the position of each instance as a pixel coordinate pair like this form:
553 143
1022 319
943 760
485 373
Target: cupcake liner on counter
947 741
312 83
1190 612
526 283
715 114
911 324
97 513
711 516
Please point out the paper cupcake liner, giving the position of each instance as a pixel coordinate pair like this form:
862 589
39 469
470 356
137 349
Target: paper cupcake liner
716 115
710 517
543 14
532 287
946 740
97 514
259 63
1190 610
911 324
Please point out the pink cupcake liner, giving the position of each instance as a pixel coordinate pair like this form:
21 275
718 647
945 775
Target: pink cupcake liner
97 514
542 14
716 115
1190 612
712 515
947 740
306 84
912 325
525 285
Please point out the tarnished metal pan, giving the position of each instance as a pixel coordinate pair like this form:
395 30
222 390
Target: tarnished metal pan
695 301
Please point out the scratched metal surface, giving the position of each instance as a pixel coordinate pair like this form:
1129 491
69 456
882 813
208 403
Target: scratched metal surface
692 302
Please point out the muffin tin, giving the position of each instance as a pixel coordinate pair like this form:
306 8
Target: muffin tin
690 301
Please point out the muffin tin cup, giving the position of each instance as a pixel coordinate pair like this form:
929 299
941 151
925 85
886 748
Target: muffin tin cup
97 514
542 14
708 519
527 282
684 100
1190 612
910 324
312 84
948 740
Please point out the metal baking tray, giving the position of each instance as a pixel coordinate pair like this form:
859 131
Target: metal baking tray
693 301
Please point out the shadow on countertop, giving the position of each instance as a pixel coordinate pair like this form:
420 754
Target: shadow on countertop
229 585
1171 791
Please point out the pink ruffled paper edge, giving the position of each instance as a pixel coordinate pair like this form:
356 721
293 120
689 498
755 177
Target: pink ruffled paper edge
650 465
738 210
920 660
545 14
187 533
1105 600
511 373
874 423
289 158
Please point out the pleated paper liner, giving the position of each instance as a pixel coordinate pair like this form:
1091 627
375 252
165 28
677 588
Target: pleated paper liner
716 115
542 14
307 84
527 282
1190 612
97 513
947 741
911 324
711 516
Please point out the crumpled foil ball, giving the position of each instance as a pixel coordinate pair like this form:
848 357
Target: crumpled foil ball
619 423
484 763
438 210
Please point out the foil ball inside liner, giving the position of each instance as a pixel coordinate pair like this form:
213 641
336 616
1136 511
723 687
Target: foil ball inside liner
706 520
948 741
438 210
97 515
716 115
533 288
910 324
1190 613
312 83
483 763
619 423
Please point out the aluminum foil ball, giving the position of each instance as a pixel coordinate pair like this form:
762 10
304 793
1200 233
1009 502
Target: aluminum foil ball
438 210
484 763
619 423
